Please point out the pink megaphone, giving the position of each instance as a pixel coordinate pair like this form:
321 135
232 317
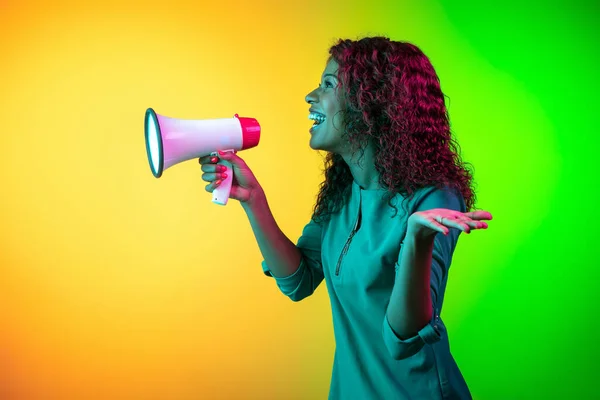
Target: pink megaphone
170 141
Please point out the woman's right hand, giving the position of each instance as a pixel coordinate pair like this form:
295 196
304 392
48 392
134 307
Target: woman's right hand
244 186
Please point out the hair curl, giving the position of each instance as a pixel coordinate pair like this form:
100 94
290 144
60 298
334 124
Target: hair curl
392 100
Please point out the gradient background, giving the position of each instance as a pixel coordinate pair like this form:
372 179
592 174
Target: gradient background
116 285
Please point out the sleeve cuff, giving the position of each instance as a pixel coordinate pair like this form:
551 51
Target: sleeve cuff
288 284
399 349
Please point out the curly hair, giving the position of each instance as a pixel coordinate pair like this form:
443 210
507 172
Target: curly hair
391 99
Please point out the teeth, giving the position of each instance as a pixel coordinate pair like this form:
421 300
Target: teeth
318 118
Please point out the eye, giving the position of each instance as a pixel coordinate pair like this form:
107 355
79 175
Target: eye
328 84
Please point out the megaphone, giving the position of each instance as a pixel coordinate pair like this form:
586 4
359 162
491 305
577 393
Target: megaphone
170 141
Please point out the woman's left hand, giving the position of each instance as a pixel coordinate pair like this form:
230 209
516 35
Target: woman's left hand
427 223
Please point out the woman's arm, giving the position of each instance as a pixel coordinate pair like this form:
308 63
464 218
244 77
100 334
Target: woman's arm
279 253
410 306
411 303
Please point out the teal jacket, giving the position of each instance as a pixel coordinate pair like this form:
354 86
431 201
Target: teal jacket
357 253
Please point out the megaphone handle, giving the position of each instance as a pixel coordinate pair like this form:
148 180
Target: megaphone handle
221 193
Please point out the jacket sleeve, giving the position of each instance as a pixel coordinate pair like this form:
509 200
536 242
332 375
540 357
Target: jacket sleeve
443 249
303 282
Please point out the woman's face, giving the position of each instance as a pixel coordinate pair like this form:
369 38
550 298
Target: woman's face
325 107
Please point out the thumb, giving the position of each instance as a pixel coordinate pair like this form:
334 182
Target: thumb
232 158
224 154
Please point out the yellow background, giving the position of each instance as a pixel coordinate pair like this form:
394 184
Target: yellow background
121 286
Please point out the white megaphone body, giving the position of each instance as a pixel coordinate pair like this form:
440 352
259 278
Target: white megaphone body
170 141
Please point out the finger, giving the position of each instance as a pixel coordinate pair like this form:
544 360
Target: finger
211 176
212 186
473 224
213 168
476 224
208 160
479 215
436 226
453 223
233 158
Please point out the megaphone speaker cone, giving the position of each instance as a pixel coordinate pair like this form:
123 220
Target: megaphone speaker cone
154 144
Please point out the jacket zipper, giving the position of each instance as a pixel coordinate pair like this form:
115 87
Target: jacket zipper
347 245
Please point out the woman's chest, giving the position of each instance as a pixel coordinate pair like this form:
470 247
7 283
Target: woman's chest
360 250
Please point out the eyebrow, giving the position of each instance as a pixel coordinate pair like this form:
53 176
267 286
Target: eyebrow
330 75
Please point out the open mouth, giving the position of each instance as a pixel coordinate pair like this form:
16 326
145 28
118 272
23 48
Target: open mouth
318 118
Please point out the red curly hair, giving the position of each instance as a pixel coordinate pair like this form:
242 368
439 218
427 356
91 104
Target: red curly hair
393 101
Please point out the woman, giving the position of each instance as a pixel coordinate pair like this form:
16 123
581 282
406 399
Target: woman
387 219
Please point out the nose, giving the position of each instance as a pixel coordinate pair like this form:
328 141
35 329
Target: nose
312 96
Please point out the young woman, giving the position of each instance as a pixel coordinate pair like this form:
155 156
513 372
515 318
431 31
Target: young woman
395 198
